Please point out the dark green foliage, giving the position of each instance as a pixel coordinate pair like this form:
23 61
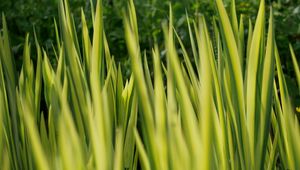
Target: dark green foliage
24 15
287 16
287 20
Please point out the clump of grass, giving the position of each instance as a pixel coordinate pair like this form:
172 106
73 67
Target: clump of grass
224 113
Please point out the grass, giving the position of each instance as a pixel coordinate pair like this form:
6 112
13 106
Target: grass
229 110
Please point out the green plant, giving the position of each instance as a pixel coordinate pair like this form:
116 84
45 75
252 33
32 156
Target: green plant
223 113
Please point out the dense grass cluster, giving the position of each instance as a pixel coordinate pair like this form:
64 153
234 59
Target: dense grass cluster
228 109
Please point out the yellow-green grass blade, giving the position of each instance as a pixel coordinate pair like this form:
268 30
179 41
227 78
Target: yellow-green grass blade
148 78
48 78
61 66
178 149
94 135
206 120
241 41
2 110
288 121
58 39
29 90
142 153
178 143
189 120
191 36
108 131
191 77
92 11
233 53
140 82
120 117
220 143
284 93
174 124
234 145
295 64
219 116
9 72
220 58
27 116
44 136
108 57
218 70
171 100
133 19
5 165
271 162
72 54
75 74
237 79
97 123
52 135
78 106
27 84
215 78
129 144
249 42
68 153
5 118
86 43
118 154
249 39
188 63
38 79
4 145
101 133
70 26
68 136
252 79
97 64
279 125
26 91
160 111
229 144
266 97
234 21
6 56
286 114
198 46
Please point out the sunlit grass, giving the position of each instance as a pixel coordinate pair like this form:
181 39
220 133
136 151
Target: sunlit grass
217 112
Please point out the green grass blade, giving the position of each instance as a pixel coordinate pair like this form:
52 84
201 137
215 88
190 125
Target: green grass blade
38 151
252 79
142 153
295 64
206 98
266 95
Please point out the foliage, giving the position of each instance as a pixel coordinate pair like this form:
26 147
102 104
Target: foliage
228 109
24 15
287 21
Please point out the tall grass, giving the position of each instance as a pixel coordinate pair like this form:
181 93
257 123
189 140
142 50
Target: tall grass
229 110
